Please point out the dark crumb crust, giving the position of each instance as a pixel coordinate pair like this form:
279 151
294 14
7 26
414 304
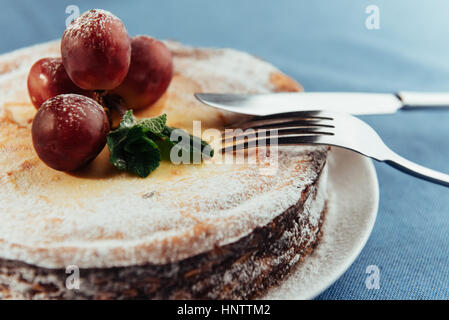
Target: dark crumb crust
241 270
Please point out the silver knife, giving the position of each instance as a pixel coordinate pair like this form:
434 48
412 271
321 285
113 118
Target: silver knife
350 102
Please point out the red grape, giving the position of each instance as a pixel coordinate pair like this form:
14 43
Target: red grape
96 50
149 74
48 78
69 130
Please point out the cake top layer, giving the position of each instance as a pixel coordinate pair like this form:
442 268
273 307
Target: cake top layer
100 217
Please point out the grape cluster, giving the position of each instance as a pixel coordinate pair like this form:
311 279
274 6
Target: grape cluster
99 63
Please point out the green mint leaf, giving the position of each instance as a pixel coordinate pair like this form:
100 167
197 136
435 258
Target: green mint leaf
128 120
131 149
142 156
154 125
138 146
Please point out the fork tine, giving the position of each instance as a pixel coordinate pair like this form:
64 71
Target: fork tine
310 138
281 121
291 128
285 123
299 114
278 131
305 118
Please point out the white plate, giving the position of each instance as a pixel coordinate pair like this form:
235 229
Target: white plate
352 210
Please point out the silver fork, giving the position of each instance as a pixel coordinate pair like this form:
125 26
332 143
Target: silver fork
327 128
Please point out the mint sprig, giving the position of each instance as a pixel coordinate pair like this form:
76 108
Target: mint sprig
138 146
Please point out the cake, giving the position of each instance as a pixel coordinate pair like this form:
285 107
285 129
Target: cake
209 231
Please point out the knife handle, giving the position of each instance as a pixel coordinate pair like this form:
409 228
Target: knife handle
417 100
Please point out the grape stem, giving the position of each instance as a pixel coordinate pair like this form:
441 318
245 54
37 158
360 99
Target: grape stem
99 95
110 103
116 103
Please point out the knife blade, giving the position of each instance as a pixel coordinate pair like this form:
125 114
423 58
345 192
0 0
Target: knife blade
350 102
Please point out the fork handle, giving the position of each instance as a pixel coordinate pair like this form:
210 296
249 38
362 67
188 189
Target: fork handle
417 170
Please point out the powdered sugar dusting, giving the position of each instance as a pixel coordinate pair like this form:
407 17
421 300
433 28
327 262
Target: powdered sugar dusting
114 219
228 70
169 224
93 26
52 65
71 109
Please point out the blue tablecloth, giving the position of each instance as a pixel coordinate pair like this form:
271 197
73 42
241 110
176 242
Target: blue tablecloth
325 45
